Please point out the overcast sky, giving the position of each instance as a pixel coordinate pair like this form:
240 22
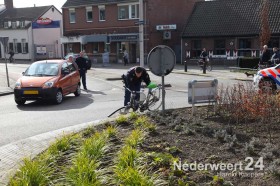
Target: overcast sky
30 3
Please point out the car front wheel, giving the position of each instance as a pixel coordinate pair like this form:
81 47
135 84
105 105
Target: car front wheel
58 97
20 101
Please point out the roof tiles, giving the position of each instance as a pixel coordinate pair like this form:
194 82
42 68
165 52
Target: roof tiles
230 18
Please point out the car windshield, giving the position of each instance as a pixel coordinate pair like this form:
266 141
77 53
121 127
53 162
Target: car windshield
42 69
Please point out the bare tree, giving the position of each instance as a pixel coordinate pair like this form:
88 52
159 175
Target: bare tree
264 18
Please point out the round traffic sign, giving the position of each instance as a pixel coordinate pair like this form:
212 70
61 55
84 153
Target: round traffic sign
161 60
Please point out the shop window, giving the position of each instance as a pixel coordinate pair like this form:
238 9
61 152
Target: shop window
95 48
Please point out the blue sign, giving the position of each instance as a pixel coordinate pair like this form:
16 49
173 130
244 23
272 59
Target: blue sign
53 24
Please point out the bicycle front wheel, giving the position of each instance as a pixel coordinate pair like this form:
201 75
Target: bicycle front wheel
155 99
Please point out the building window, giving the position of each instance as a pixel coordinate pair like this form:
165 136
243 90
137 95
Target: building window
24 46
14 25
11 47
101 13
15 46
6 25
219 47
72 15
22 24
244 47
134 13
89 14
196 48
128 11
123 12
274 42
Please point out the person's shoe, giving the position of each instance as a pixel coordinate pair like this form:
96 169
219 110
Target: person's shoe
85 88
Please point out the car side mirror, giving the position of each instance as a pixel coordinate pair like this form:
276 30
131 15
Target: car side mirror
23 73
65 71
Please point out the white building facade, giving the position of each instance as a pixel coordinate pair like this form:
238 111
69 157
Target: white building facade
34 33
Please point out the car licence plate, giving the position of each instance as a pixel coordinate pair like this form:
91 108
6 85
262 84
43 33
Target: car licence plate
30 92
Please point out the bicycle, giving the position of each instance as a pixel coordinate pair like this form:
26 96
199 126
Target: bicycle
200 63
150 102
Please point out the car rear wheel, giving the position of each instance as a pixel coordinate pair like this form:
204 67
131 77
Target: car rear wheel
20 101
78 91
58 97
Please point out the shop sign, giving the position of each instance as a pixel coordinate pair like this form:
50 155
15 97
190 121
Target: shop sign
166 27
44 21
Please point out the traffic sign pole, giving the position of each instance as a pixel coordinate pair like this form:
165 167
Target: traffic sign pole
161 61
4 41
141 33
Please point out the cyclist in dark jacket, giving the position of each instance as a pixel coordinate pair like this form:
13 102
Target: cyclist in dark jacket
133 79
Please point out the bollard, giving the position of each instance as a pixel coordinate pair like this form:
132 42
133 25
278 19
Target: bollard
204 67
186 66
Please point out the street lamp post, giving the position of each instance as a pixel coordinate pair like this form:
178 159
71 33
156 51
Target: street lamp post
141 32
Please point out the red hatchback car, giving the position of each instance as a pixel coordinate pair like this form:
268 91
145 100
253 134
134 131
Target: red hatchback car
48 80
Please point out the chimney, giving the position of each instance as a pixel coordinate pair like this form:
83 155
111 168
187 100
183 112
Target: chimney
9 4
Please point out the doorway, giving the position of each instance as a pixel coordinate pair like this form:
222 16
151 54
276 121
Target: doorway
132 52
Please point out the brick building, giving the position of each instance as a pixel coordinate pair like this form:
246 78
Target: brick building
101 25
229 28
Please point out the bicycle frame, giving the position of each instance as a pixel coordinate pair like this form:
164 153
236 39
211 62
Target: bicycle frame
132 104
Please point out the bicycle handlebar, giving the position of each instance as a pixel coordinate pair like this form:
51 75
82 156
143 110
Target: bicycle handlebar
135 92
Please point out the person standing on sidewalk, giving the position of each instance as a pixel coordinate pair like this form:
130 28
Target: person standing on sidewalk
11 59
82 64
265 56
204 56
125 57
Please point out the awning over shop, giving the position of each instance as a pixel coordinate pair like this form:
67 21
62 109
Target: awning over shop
94 38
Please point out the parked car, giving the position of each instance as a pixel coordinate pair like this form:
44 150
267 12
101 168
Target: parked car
75 55
48 80
268 79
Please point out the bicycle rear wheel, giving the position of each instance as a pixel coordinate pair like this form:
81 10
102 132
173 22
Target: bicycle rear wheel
155 99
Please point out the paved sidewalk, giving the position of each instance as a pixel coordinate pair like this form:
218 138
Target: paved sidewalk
11 154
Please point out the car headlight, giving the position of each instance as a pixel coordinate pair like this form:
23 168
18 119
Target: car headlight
48 84
18 85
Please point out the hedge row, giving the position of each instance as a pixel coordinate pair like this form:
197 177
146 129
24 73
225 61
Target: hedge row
248 62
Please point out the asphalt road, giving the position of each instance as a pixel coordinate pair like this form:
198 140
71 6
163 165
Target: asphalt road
104 96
